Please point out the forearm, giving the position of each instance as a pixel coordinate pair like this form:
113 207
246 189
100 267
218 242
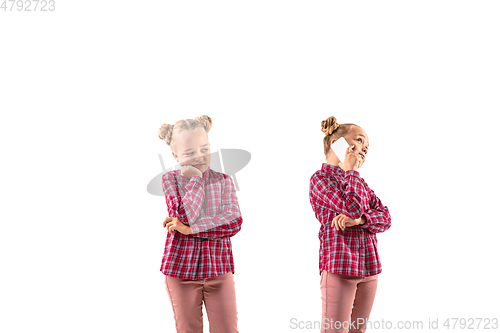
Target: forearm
354 194
346 197
377 220
187 207
224 225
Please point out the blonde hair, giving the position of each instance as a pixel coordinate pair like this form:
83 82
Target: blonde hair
170 133
333 131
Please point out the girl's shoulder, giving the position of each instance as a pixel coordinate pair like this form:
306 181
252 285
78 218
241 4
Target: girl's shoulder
322 178
173 174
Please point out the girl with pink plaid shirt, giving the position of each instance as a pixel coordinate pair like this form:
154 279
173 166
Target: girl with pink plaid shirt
203 215
350 215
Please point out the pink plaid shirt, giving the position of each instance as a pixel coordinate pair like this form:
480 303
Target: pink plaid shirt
352 251
209 205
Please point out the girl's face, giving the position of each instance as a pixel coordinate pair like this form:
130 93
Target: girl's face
193 149
358 137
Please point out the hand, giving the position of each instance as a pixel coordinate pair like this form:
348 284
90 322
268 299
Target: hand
173 223
352 161
190 171
342 221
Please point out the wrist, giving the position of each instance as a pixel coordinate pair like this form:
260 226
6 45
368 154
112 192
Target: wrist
362 220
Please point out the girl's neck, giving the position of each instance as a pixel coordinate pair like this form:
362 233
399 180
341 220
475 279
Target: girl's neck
334 162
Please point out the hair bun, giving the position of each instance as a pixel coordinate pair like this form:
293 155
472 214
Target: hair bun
205 121
165 133
329 125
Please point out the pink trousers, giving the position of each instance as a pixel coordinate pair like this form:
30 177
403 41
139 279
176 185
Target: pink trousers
218 294
347 302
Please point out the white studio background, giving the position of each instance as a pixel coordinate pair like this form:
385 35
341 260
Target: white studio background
85 88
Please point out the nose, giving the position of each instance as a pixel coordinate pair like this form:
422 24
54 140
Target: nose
199 157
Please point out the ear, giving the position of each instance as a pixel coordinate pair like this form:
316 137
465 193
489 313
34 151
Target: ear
175 156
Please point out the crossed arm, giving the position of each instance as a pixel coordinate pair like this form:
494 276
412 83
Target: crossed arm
347 198
187 208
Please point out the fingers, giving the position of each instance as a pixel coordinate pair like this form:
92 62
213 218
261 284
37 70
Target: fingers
171 226
337 222
342 222
184 170
167 219
189 171
334 222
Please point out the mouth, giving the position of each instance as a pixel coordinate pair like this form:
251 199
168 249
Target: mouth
363 156
200 165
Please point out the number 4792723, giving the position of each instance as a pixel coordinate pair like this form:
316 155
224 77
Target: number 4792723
28 5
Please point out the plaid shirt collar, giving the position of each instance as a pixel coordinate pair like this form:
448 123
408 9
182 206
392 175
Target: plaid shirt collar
330 168
206 173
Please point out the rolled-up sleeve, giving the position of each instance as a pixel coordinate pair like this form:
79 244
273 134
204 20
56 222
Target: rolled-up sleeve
378 218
